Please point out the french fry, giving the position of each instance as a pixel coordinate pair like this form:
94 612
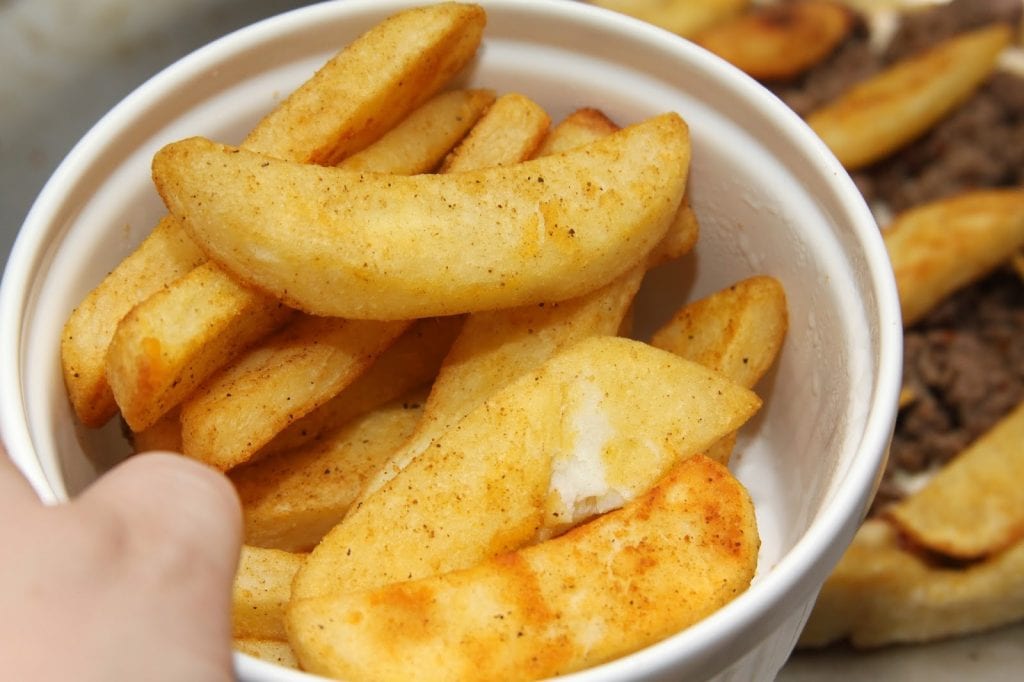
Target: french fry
164 435
352 99
881 593
165 255
176 339
737 331
685 17
290 500
314 359
164 348
427 134
306 364
777 42
494 349
974 506
499 140
585 125
271 651
937 248
624 581
579 219
881 114
410 362
593 427
261 590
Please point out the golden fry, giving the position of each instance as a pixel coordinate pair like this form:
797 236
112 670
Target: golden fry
261 590
510 132
685 17
351 100
937 248
881 593
622 582
888 110
292 499
579 219
780 41
306 364
973 506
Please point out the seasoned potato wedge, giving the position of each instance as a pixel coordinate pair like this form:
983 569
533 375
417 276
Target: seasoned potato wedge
313 360
883 113
511 131
882 593
165 347
685 17
974 506
205 319
497 347
780 41
937 248
410 362
292 499
352 99
261 590
560 225
737 331
306 364
593 427
427 134
623 581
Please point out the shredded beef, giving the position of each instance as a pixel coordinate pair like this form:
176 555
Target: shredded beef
965 364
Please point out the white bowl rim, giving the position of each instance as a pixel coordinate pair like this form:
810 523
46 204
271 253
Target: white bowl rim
805 560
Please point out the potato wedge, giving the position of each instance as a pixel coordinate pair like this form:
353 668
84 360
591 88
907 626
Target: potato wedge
271 651
427 134
410 362
357 96
881 593
685 17
352 99
306 364
780 41
622 582
974 506
497 347
888 110
560 226
292 499
165 255
944 245
498 139
164 435
261 590
583 126
164 348
315 359
205 319
737 331
593 427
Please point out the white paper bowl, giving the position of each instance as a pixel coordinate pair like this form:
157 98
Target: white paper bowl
770 198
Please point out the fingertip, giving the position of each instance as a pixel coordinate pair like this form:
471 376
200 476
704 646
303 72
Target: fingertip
187 498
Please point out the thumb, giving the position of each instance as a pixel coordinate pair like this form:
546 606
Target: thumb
176 502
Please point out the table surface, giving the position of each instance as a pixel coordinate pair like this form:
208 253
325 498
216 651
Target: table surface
66 62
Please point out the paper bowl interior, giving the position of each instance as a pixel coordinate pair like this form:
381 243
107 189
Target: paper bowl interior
770 199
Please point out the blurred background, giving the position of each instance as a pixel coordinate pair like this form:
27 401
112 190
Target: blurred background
64 63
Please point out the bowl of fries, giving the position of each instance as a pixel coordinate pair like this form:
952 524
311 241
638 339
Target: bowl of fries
587 277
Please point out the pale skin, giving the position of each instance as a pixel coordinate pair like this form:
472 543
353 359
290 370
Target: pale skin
130 581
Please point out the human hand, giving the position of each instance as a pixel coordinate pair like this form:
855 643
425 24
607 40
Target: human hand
129 581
